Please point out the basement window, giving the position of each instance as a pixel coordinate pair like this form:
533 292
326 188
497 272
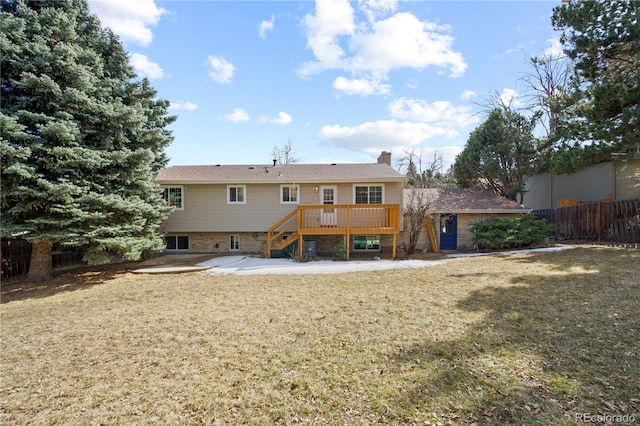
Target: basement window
234 243
177 242
366 243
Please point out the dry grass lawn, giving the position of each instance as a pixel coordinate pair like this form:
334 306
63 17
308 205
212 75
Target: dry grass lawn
515 339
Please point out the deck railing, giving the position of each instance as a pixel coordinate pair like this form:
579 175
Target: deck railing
348 218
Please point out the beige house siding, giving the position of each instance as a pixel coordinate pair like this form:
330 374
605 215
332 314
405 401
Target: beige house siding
206 208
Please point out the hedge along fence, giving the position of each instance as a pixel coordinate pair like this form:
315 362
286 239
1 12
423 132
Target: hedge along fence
505 233
613 221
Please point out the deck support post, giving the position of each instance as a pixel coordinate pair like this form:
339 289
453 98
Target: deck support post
393 250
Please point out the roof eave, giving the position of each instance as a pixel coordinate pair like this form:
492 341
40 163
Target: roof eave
493 211
280 179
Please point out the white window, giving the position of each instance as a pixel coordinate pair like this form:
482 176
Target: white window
236 194
234 243
368 194
366 243
173 197
177 242
289 194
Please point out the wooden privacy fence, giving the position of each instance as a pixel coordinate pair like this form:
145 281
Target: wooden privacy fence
16 257
611 221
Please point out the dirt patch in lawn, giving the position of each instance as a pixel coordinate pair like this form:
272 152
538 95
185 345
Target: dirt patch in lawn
510 339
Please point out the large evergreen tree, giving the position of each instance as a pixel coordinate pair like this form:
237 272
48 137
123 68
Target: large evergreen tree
600 114
499 154
81 138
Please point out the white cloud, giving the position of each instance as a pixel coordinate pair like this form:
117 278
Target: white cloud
555 50
467 94
441 113
361 86
144 67
509 97
333 18
283 118
237 115
265 26
405 41
188 106
129 19
375 8
379 46
374 136
221 70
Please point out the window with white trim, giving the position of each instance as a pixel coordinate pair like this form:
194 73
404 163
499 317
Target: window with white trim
236 194
368 194
234 243
366 242
176 242
289 194
172 195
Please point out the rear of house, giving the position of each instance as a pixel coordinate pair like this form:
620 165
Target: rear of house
259 209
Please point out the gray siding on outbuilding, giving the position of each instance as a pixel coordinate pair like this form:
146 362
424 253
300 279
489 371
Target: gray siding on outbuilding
592 183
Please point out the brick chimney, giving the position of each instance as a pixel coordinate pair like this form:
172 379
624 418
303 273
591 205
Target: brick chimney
385 158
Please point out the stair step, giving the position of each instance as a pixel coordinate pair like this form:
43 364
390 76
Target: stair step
282 244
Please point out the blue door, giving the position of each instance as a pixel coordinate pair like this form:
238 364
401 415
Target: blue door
448 232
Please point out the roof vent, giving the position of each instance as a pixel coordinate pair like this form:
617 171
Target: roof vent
275 162
217 165
333 164
251 167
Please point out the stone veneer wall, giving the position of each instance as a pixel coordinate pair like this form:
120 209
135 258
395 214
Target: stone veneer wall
256 243
326 245
205 242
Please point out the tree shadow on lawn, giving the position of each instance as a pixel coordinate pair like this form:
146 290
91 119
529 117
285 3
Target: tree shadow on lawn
549 348
83 277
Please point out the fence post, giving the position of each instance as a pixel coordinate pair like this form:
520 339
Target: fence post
599 221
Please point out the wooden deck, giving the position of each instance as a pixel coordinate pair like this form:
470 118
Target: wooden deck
338 219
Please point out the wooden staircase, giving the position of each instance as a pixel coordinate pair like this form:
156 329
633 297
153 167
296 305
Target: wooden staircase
279 245
274 234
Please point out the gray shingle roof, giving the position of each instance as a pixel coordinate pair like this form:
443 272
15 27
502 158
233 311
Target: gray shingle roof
466 201
374 172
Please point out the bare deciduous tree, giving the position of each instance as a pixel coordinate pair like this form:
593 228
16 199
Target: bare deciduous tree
549 77
284 154
548 81
418 208
425 174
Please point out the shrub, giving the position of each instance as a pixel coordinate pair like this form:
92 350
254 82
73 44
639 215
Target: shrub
510 232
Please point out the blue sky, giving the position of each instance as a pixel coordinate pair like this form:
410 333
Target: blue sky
341 80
